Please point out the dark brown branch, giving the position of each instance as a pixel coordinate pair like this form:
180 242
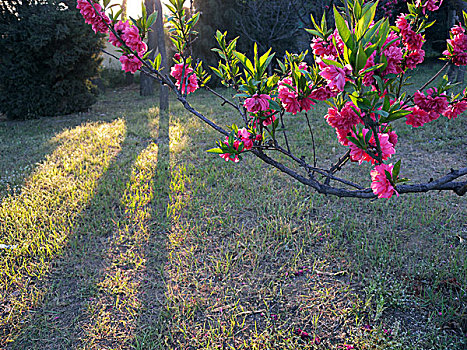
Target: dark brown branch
336 167
238 108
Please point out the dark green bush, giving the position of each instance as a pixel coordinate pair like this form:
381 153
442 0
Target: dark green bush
48 55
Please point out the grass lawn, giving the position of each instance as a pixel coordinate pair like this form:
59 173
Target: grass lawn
126 234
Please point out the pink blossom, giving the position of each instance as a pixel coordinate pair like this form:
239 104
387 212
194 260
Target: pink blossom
120 28
430 5
368 77
322 93
412 40
177 73
228 156
360 156
98 20
344 119
458 41
392 36
303 66
335 77
380 184
130 63
288 97
460 59
133 40
392 138
453 111
418 117
245 136
323 48
402 23
342 136
394 56
270 118
306 103
431 103
414 58
339 42
232 157
257 103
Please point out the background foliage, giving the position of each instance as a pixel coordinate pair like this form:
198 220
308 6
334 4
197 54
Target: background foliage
48 57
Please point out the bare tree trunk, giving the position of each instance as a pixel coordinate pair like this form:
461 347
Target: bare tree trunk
160 42
146 86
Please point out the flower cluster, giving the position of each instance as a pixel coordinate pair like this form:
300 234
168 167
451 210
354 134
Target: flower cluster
412 41
457 46
290 97
130 36
243 143
388 7
326 48
98 20
335 76
430 106
257 103
380 184
454 110
344 119
258 107
184 72
430 5
387 148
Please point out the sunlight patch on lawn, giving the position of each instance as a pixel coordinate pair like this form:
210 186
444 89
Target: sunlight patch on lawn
114 312
39 220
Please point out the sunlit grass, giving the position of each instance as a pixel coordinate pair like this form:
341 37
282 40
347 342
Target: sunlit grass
38 221
114 311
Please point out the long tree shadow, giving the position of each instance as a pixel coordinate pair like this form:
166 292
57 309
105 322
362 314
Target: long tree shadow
152 326
91 298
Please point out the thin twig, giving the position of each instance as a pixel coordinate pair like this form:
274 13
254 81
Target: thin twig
434 77
312 139
285 133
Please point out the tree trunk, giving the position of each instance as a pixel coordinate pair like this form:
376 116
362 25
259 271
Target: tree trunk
160 40
146 87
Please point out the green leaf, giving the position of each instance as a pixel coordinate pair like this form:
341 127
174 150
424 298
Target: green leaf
245 62
216 150
152 19
143 9
368 70
355 142
396 169
364 22
314 32
274 105
332 63
361 58
396 115
368 136
343 30
388 175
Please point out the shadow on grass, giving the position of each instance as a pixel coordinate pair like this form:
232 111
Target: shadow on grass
97 289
